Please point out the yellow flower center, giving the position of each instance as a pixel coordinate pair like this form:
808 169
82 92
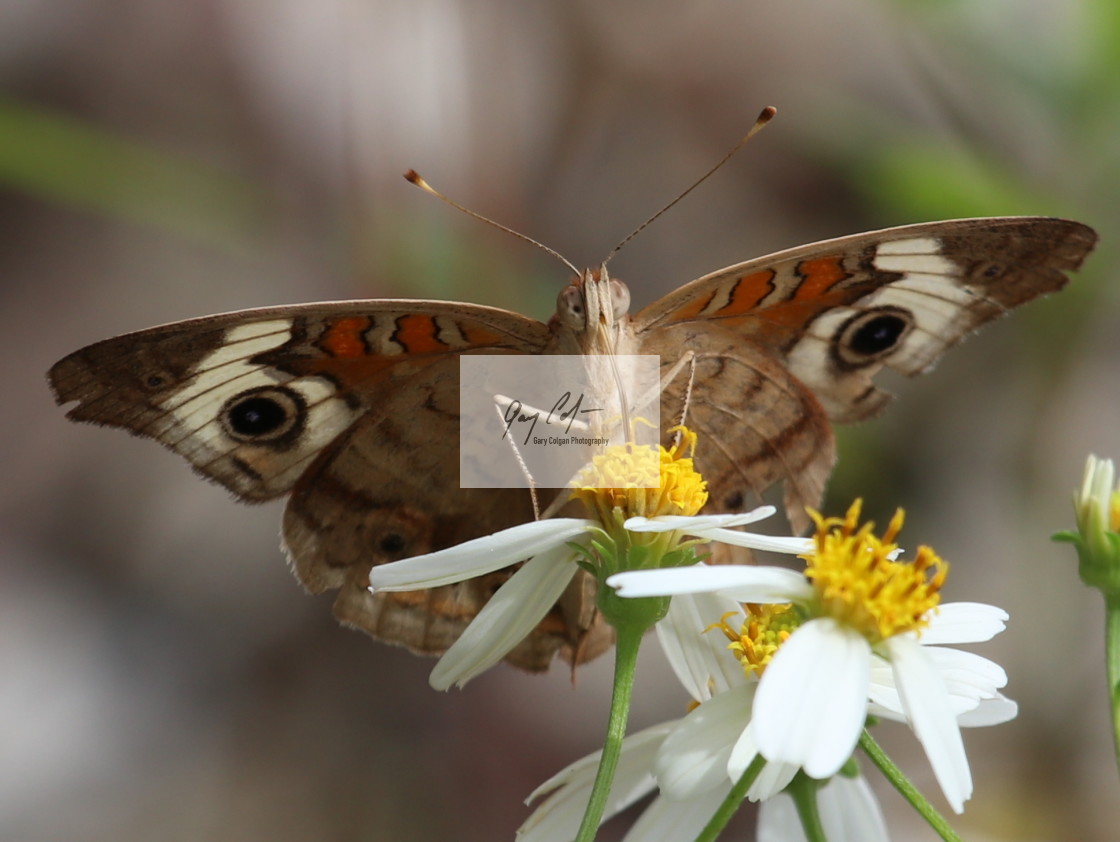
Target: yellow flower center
765 628
858 583
633 480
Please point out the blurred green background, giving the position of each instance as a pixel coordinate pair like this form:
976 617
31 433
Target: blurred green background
161 674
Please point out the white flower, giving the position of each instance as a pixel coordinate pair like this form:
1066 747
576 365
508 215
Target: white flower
697 759
848 809
713 745
1097 504
550 563
1097 539
863 641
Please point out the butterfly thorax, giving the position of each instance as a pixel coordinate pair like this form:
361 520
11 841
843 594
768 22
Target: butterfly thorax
592 316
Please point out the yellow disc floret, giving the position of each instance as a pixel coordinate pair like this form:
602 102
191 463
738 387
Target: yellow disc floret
634 480
859 583
765 628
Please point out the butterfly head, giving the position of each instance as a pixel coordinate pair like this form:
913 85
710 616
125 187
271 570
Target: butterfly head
593 304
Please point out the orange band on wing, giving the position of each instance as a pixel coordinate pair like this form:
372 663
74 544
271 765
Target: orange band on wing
819 276
344 337
748 291
477 336
744 296
419 334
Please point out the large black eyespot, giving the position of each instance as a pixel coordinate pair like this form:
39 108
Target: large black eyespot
878 335
263 415
869 336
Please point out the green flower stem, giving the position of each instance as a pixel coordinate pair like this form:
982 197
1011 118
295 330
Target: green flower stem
900 782
731 803
628 640
804 792
1112 663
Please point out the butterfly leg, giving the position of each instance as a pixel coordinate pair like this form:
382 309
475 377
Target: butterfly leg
687 359
528 474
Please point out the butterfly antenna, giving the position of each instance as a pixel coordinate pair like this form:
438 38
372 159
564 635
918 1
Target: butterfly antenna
415 178
765 117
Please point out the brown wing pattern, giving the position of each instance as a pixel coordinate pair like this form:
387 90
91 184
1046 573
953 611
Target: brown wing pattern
786 342
757 424
352 407
837 311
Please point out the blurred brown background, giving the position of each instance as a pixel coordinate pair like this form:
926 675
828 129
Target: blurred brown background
161 674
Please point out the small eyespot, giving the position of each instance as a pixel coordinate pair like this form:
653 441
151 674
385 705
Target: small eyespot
392 544
263 415
153 379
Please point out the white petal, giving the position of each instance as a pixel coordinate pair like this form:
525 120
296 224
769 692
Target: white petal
969 680
850 812
683 523
477 557
745 583
720 528
966 673
885 703
668 820
774 776
963 622
638 751
1096 486
925 701
993 711
848 809
756 541
778 820
812 700
699 656
509 616
693 759
557 819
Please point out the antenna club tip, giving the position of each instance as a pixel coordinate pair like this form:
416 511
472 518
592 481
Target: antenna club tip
414 177
768 114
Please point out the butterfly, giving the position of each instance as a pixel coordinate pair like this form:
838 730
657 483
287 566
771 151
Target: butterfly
350 409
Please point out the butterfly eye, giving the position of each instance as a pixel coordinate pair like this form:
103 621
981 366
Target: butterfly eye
263 415
620 298
871 335
570 307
